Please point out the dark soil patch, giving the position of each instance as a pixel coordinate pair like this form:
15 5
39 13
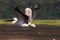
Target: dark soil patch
41 32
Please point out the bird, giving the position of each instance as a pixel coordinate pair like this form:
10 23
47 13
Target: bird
23 19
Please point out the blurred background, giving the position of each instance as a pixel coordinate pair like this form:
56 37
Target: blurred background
50 9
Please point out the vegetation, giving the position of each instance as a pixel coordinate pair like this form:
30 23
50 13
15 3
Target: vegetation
47 22
5 23
38 22
50 9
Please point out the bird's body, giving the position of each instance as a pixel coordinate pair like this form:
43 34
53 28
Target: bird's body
19 22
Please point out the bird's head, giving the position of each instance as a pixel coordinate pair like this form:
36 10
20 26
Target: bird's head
36 6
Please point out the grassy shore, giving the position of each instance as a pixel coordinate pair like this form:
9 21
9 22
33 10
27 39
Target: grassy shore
43 22
5 23
47 22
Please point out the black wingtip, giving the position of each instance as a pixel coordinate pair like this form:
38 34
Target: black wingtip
17 9
24 16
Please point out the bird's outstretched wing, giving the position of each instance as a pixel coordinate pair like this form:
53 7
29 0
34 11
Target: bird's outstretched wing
25 17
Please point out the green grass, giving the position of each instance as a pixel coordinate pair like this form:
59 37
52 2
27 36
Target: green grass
5 23
43 22
47 22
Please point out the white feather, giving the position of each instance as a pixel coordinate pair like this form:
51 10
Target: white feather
15 20
24 25
33 25
19 23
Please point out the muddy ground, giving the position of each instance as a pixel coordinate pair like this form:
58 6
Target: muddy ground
41 32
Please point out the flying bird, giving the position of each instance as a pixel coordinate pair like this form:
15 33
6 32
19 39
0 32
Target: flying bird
24 19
